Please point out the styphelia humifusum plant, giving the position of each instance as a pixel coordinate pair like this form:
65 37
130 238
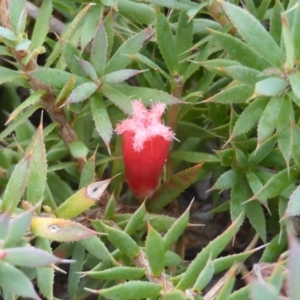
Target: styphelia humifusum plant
146 142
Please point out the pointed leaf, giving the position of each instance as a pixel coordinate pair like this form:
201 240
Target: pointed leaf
253 33
276 184
148 96
82 92
155 250
295 143
59 230
236 94
284 120
16 185
225 181
272 86
121 59
120 76
88 69
123 241
99 48
166 42
295 83
34 257
240 51
204 277
20 284
136 220
249 117
212 250
172 188
118 273
45 276
256 216
41 26
38 168
244 74
117 97
268 119
131 290
295 32
176 230
32 99
293 208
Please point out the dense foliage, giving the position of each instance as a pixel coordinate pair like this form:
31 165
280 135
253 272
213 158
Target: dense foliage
228 73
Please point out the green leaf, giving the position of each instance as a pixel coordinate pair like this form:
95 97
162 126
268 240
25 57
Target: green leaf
272 86
55 78
293 208
16 8
4 226
97 248
78 149
131 290
19 226
120 76
254 33
212 250
243 74
38 168
41 26
288 44
148 96
295 143
118 273
45 276
183 40
59 230
136 220
263 290
82 92
99 48
284 120
88 172
227 287
34 257
101 119
240 51
237 94
78 258
295 83
256 216
155 250
70 54
172 188
91 22
176 230
174 295
88 69
121 59
194 157
110 209
117 97
7 75
166 42
122 241
225 181
262 150
7 34
275 22
20 284
268 119
204 277
249 117
16 185
276 184
295 32
240 192
277 245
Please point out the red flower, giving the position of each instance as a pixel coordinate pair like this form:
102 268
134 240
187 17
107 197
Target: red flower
146 141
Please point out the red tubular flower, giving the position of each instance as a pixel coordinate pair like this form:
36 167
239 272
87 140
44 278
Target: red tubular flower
146 141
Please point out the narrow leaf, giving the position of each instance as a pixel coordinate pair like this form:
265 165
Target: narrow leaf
82 92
